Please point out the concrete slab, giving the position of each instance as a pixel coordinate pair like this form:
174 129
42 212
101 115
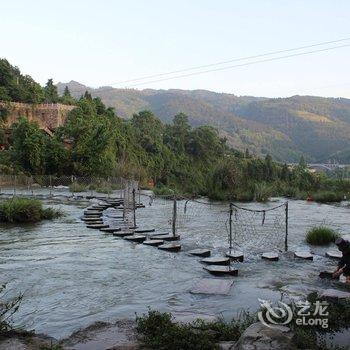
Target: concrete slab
170 247
219 270
272 256
135 238
122 234
212 286
110 229
97 226
204 253
166 237
144 230
334 254
235 255
303 255
334 294
216 261
154 242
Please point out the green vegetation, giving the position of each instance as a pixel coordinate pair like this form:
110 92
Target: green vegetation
321 235
286 128
328 197
160 331
176 157
20 210
8 308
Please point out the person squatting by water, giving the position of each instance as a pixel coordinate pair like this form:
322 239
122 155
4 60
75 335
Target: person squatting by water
344 263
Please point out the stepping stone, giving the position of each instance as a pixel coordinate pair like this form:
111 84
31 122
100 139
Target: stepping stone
304 255
97 226
94 218
92 213
136 238
235 255
334 294
219 270
170 247
166 237
160 234
95 222
154 242
123 234
334 254
110 229
200 252
216 261
270 256
139 230
212 286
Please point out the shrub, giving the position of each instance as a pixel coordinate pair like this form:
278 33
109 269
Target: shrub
262 192
160 331
7 309
321 235
245 196
327 197
76 187
25 210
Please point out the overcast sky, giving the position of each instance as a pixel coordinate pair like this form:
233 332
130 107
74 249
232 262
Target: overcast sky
104 42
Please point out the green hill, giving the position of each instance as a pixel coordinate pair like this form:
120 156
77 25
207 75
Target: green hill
316 127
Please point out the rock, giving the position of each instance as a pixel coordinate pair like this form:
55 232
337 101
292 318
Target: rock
102 336
258 336
334 294
226 345
27 342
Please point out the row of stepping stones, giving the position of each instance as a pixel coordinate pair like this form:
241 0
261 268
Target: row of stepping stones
93 218
215 265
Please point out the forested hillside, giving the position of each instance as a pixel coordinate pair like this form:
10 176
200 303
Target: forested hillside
174 156
286 128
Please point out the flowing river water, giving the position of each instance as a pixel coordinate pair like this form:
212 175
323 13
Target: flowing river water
72 276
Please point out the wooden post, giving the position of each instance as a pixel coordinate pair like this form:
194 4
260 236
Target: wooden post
134 205
286 236
174 216
231 212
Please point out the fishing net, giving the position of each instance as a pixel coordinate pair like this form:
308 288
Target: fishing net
129 194
258 230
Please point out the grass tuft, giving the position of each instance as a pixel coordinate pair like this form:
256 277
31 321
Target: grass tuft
321 235
25 210
328 197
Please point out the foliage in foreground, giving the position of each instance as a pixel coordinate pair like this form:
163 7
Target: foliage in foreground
321 235
8 307
160 331
174 156
25 210
328 197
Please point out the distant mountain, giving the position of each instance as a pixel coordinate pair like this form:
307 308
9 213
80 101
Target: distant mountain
286 128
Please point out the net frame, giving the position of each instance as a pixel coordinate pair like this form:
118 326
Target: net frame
243 230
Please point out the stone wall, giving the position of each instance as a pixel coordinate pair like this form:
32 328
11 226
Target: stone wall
49 116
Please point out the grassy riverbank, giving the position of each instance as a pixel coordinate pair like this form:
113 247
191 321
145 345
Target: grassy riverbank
21 210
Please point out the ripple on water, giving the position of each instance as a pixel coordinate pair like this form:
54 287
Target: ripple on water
73 276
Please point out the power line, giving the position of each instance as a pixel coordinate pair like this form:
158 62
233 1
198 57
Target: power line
229 61
238 65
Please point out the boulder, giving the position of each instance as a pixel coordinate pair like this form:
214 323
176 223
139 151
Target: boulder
258 336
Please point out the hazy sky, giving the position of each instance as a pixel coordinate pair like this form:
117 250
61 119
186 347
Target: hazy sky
104 42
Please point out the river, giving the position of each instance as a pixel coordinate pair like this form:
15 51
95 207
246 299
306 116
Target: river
72 276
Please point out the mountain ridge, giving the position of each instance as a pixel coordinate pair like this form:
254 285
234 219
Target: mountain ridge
315 127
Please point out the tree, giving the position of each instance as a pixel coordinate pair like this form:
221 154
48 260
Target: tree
50 92
66 97
302 163
29 146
